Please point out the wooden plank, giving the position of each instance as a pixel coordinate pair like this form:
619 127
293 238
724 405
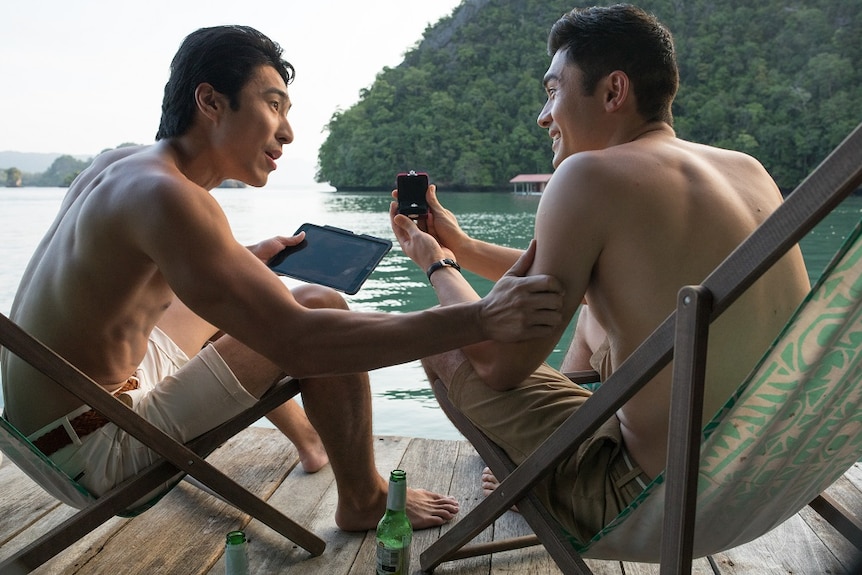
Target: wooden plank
436 466
847 491
298 496
844 551
81 552
392 457
22 507
35 513
854 475
184 533
698 567
429 465
467 488
152 543
792 547
804 543
311 500
530 559
319 494
686 413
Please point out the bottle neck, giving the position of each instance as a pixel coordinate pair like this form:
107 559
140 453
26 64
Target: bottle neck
396 500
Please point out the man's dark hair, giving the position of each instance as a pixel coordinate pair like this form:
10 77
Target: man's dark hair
600 40
224 56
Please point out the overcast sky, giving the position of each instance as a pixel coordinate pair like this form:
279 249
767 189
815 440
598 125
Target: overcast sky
79 76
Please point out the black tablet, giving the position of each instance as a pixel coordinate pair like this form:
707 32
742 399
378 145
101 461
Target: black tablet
332 257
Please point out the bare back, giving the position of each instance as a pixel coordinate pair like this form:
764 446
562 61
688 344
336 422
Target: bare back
660 213
89 278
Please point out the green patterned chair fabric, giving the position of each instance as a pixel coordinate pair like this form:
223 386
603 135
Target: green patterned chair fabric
791 429
41 469
55 481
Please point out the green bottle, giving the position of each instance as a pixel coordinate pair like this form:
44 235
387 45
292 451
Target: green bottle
394 532
236 554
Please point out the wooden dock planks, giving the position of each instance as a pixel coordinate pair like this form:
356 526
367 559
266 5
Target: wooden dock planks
184 533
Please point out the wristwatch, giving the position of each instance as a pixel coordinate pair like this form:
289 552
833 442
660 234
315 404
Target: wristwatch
444 263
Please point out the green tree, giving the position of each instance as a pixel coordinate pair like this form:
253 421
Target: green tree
61 172
13 178
779 80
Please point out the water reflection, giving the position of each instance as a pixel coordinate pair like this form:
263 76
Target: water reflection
823 241
422 395
403 404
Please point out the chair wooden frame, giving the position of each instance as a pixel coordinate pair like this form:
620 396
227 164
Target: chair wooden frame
682 335
176 457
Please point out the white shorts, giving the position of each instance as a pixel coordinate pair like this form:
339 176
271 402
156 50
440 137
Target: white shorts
183 397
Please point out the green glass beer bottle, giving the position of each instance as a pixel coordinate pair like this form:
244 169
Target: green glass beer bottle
236 554
394 532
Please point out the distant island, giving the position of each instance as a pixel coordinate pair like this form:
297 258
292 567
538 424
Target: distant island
779 80
21 169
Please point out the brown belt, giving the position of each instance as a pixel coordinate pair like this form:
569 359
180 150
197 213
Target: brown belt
84 424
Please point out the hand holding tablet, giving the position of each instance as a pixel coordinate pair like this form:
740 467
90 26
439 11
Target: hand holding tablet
331 256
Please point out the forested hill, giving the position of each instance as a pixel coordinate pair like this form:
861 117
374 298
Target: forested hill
779 79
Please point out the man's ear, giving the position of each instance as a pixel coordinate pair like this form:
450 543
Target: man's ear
210 102
617 90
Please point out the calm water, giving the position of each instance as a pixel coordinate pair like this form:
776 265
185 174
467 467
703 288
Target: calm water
403 404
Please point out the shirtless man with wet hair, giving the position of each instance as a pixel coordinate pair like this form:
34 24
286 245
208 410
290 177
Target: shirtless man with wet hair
631 214
140 270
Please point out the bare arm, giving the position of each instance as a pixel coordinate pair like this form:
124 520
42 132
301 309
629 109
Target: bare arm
186 234
503 365
485 259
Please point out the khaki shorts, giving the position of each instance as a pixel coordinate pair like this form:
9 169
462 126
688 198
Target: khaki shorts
585 491
182 397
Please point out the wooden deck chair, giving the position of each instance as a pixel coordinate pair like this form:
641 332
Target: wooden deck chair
790 430
143 490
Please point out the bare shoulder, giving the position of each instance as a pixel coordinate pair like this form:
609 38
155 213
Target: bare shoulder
145 177
120 166
142 200
110 156
584 167
726 161
661 175
586 177
592 183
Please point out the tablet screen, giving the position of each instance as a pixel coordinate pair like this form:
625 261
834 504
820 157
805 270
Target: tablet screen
333 257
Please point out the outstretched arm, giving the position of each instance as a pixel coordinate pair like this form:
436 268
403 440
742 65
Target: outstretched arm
452 289
485 259
231 288
565 221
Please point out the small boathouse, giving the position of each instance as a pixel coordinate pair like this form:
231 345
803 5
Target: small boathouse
530 183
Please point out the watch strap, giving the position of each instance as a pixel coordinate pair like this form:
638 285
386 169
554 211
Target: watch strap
444 263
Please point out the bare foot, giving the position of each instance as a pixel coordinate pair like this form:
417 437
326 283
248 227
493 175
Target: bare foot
424 509
291 420
490 483
312 456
